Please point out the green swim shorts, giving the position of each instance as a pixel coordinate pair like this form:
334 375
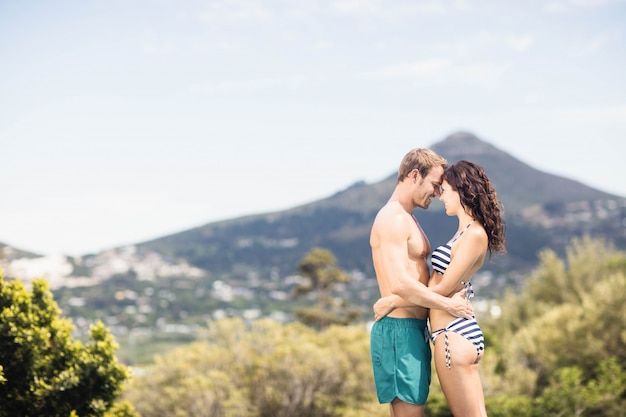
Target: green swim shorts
401 360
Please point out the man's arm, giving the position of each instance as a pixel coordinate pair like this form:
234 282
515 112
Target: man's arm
385 305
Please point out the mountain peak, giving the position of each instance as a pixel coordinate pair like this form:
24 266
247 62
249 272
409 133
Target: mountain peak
461 137
462 145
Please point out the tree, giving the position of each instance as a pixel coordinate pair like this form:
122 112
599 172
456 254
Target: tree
569 395
556 282
44 371
321 276
578 305
122 409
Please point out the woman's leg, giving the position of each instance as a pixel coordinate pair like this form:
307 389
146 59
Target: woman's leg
461 383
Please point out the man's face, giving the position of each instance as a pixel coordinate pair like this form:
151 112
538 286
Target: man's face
427 188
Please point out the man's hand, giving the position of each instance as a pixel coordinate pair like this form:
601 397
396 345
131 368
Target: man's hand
383 306
460 307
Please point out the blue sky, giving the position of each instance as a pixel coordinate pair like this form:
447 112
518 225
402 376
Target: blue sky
125 120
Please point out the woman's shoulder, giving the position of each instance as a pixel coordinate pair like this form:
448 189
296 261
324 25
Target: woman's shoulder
477 235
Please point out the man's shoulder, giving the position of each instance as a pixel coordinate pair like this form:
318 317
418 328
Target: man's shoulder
392 207
391 214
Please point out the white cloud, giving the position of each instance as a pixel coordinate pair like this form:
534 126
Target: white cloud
293 82
486 75
415 70
593 3
237 10
154 44
395 9
264 11
151 47
260 11
466 45
534 97
483 42
519 43
439 71
554 7
225 45
356 7
566 5
599 42
323 45
609 114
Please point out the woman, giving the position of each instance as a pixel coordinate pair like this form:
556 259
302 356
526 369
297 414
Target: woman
468 194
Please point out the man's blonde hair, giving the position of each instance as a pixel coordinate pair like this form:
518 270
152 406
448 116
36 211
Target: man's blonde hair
422 159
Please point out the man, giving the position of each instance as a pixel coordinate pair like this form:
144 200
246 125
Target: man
401 354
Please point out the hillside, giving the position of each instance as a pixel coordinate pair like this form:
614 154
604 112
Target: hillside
9 253
541 210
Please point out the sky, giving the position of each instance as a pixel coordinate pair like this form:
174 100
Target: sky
126 120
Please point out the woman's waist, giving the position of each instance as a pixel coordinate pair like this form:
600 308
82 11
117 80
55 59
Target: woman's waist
439 319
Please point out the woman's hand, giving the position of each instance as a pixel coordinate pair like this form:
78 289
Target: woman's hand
384 306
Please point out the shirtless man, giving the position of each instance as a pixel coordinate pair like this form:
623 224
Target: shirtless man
400 352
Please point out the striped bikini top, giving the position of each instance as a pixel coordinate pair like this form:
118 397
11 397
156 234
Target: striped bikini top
440 258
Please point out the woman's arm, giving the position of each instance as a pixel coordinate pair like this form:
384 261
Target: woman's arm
386 305
467 253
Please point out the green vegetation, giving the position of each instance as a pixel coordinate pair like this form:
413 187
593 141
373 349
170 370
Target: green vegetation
321 276
261 369
561 342
43 371
558 349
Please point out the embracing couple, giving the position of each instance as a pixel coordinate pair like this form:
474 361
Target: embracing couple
422 303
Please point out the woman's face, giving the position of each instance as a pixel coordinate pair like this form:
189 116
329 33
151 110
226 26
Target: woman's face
450 199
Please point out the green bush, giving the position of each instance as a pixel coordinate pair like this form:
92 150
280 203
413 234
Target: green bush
44 371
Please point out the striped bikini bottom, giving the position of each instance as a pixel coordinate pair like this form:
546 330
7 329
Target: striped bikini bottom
467 328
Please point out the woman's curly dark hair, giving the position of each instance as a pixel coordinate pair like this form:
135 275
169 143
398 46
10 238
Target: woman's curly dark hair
478 198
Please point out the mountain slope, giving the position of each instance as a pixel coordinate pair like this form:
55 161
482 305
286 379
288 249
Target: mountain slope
9 253
541 210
